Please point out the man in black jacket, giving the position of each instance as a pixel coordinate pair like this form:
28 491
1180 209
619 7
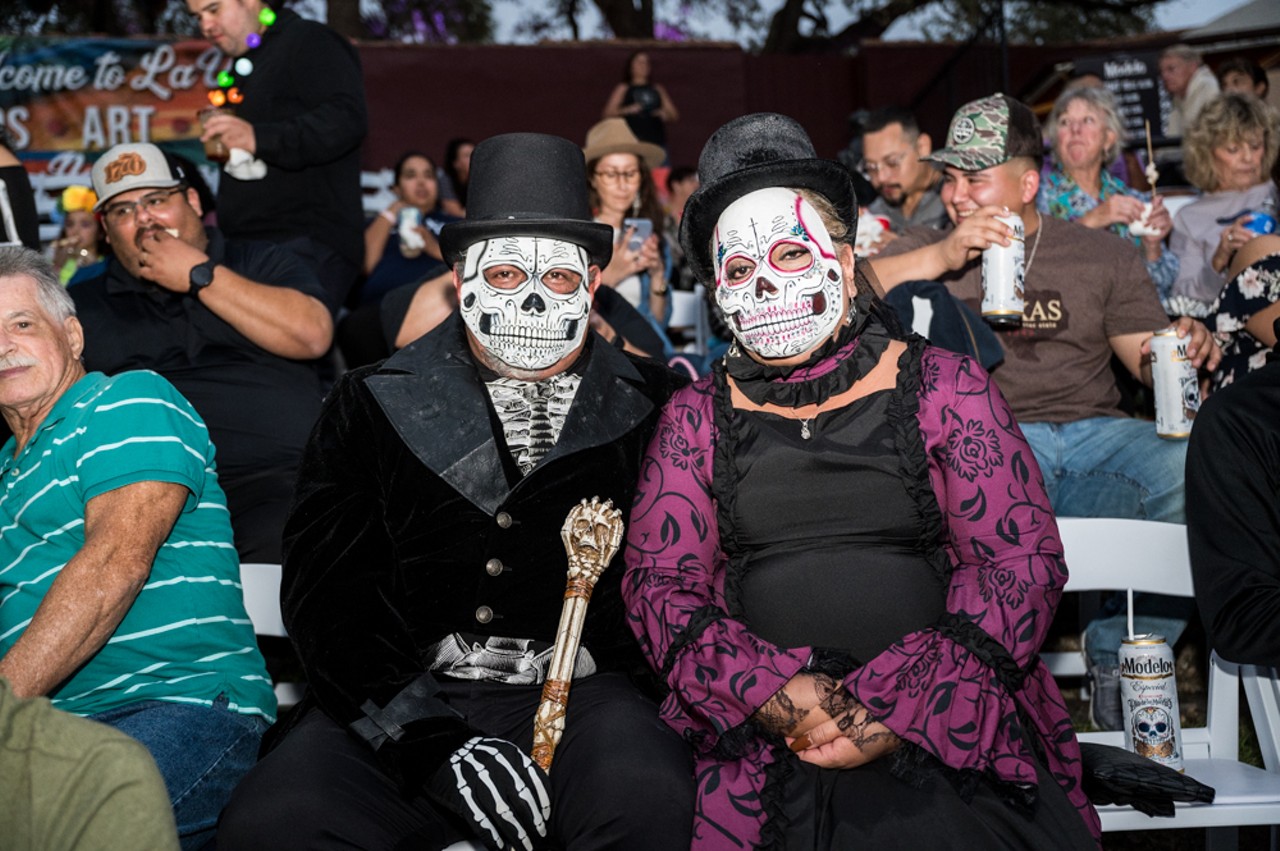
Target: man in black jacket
300 112
424 570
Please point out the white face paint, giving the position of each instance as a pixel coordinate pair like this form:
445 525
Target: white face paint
778 279
526 298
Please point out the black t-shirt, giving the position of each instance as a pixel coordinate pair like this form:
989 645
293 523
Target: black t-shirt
259 407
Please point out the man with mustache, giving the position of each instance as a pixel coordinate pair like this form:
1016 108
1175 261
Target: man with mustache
892 152
119 587
236 326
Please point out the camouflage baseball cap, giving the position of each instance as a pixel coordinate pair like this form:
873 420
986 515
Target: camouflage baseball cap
988 132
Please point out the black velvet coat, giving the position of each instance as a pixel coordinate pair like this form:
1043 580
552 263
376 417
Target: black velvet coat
407 491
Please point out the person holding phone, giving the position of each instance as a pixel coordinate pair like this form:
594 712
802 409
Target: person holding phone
623 197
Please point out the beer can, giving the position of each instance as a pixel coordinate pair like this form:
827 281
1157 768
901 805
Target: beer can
1176 385
1261 222
1149 700
1002 276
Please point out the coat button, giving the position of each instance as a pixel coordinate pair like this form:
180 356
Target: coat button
493 567
484 614
504 520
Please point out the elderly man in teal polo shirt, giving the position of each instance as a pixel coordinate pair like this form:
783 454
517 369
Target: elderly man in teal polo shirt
119 582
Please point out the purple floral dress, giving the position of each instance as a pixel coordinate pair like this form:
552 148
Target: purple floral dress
986 520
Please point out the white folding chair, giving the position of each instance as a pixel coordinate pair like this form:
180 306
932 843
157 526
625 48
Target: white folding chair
689 311
261 585
1105 554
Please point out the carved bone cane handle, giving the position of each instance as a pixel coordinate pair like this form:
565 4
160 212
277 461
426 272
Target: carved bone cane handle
592 534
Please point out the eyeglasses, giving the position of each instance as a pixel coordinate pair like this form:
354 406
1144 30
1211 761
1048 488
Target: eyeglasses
893 162
619 176
118 214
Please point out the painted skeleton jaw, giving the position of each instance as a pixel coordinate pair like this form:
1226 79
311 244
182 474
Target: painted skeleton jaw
525 323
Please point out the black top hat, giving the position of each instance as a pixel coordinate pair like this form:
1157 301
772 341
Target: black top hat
756 152
528 184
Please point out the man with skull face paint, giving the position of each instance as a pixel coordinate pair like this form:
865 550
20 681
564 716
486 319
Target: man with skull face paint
424 571
838 527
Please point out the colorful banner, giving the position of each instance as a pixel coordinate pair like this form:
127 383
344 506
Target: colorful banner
65 101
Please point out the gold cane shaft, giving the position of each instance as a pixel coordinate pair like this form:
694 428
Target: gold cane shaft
592 534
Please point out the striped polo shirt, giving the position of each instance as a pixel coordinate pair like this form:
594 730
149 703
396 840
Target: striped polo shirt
187 637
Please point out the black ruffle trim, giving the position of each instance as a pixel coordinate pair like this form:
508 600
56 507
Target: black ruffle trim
914 766
773 835
698 623
857 351
904 416
724 483
984 648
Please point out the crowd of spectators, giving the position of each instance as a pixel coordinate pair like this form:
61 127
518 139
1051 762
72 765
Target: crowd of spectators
241 317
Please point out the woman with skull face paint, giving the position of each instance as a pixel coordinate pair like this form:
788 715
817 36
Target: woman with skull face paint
842 559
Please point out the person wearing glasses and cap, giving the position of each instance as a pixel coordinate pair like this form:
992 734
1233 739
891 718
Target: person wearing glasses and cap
235 325
424 569
1088 298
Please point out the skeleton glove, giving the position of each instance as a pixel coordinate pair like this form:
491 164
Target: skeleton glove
498 790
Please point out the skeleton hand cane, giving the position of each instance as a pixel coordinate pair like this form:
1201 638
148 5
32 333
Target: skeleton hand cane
592 534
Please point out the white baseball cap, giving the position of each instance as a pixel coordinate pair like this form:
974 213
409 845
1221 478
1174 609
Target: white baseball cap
137 165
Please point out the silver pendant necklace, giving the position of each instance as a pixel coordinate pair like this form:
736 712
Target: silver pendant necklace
805 433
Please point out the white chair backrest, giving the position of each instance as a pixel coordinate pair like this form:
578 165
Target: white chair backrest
261 583
1105 554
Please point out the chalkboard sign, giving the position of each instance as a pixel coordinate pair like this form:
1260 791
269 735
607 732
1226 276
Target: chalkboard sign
1134 78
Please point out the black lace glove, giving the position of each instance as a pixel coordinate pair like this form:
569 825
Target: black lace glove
498 790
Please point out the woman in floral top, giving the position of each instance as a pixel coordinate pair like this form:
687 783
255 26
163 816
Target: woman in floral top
1245 314
841 559
1087 136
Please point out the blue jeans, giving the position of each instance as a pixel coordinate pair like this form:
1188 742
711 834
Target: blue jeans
1116 467
202 753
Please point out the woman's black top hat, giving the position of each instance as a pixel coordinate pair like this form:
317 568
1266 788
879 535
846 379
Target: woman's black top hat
756 152
528 184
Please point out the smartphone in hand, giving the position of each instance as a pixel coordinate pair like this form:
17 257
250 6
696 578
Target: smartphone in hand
643 230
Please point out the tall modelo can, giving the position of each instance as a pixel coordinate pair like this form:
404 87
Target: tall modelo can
1149 700
1002 277
1176 385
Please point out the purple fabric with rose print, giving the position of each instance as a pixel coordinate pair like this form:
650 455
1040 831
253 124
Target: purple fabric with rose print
985 525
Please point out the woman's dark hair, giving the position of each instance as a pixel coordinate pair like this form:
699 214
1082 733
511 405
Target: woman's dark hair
1245 65
626 69
451 154
650 206
404 160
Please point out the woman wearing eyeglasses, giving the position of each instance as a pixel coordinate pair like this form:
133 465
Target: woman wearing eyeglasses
623 196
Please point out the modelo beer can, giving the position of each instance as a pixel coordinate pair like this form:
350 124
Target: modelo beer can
1002 275
1149 700
1177 387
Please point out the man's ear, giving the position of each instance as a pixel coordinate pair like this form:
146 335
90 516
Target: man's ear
457 283
193 198
594 277
75 336
1030 185
924 145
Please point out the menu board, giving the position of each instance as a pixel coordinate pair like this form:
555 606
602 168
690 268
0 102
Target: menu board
1134 78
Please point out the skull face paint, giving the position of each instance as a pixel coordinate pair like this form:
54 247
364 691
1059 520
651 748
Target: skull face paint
778 279
526 299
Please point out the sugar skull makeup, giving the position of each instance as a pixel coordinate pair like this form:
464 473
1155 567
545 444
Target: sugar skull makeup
526 298
778 279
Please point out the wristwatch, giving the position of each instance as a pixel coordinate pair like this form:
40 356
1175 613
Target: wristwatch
201 277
